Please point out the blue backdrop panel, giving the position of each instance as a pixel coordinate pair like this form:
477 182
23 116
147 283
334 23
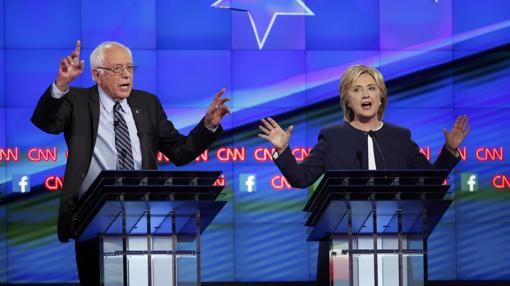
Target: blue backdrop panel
192 78
443 252
218 253
482 244
2 75
131 22
472 88
343 25
185 119
33 253
3 242
415 91
34 24
28 73
2 24
271 252
395 64
2 123
478 26
429 28
192 25
280 80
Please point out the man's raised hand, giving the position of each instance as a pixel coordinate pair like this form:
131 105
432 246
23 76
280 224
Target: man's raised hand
217 110
70 68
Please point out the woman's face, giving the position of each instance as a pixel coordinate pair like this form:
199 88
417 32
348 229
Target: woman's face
364 98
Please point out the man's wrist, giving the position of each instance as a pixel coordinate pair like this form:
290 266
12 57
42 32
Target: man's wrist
282 149
212 129
278 151
56 92
453 151
62 86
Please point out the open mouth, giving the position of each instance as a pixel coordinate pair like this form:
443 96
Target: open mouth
125 86
366 105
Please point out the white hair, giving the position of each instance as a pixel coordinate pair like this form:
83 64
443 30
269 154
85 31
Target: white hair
97 56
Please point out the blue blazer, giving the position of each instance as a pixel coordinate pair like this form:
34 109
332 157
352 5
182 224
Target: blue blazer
343 147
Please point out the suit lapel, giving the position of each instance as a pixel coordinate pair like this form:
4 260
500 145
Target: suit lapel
94 111
138 116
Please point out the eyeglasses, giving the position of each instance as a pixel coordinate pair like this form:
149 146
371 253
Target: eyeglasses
118 69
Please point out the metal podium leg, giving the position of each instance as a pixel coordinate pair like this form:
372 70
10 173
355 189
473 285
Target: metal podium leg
400 257
374 237
174 250
149 243
425 218
349 234
124 243
101 261
199 280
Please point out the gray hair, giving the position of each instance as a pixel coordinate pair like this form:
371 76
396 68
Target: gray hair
97 56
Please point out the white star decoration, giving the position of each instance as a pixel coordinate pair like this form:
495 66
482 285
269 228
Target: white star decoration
263 13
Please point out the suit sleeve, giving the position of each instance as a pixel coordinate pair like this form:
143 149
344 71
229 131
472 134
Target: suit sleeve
52 115
307 172
416 160
179 148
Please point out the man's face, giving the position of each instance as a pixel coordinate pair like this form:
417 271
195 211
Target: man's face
115 85
364 98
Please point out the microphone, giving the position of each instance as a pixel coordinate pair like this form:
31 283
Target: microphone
359 156
115 122
374 138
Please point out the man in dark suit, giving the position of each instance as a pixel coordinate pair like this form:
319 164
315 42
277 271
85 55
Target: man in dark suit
112 126
362 142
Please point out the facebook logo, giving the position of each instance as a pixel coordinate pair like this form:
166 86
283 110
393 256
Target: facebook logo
247 183
469 182
20 184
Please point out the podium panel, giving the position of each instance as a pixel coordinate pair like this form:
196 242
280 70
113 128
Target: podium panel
377 224
138 259
387 261
149 224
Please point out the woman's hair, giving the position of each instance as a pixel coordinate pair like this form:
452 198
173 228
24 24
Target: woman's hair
346 82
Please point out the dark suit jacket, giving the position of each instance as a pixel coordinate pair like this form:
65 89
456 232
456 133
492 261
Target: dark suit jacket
343 147
77 115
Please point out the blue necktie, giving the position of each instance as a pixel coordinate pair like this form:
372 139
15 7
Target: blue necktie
122 140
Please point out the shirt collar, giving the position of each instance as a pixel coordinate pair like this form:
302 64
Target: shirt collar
107 102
